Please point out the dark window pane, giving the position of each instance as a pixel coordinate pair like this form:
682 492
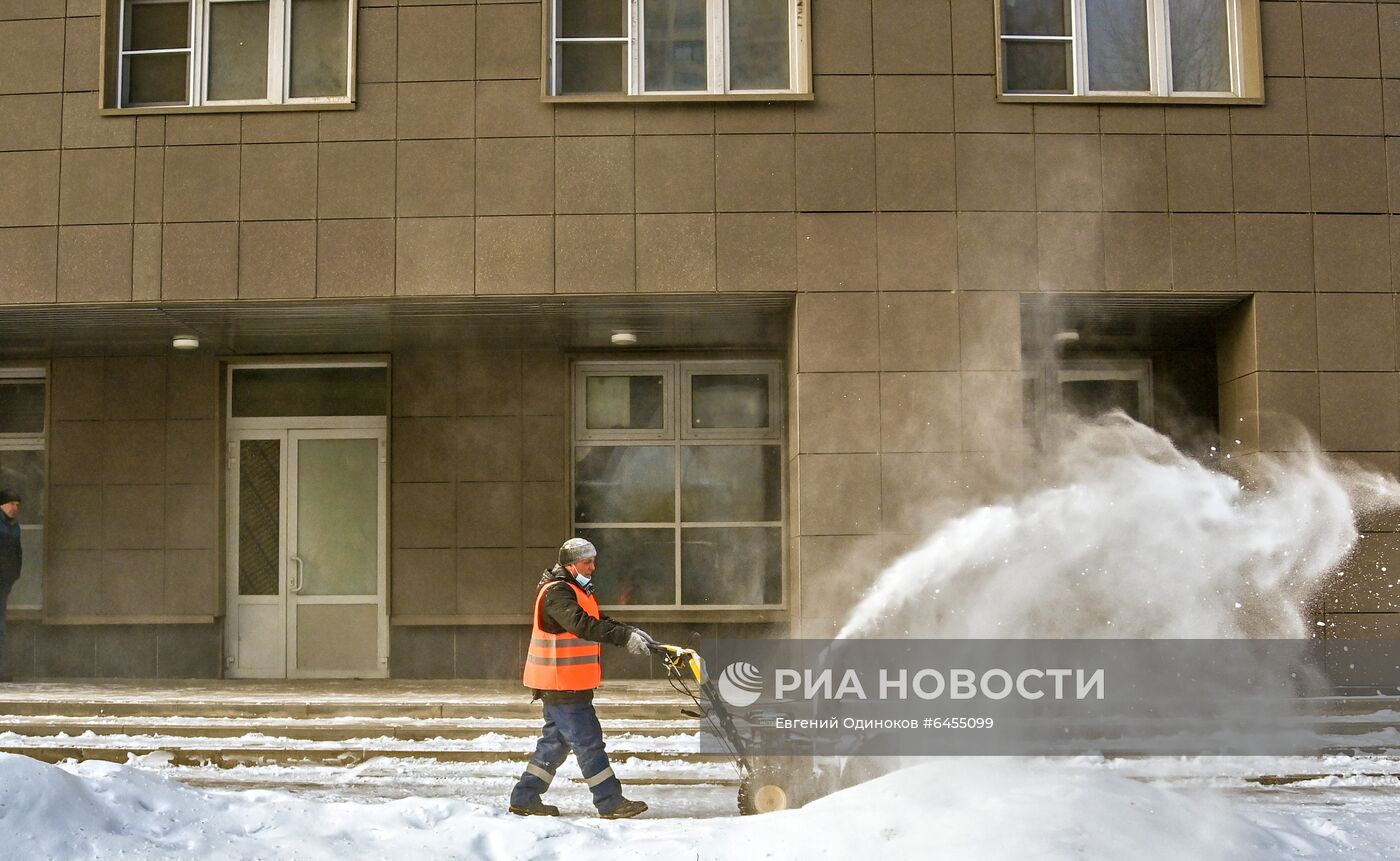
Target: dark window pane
1091 398
635 566
729 401
309 392
732 565
1200 36
592 67
157 79
23 472
730 483
624 484
22 406
1036 67
674 45
1117 45
758 45
1034 18
259 516
625 403
237 51
151 26
320 40
584 18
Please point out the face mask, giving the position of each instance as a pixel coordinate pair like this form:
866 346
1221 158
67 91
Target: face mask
582 580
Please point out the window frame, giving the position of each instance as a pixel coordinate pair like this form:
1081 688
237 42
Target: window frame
717 58
677 439
279 57
1244 41
31 442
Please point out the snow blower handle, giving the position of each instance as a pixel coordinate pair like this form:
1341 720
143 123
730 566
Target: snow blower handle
683 659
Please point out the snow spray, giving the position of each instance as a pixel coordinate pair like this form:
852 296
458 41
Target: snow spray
1125 537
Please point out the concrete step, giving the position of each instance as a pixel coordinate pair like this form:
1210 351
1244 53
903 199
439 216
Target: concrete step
229 756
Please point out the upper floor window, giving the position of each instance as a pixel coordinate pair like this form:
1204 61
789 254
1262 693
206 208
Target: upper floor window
1130 50
187 53
676 48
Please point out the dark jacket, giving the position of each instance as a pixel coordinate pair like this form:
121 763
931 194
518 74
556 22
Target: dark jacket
560 612
11 555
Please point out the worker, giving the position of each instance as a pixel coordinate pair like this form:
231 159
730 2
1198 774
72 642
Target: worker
563 667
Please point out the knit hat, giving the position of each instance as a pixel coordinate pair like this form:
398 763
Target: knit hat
575 549
7 495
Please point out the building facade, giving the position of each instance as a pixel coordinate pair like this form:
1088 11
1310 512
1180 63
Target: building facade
748 291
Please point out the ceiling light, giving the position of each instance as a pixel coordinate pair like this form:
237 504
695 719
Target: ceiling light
623 339
185 342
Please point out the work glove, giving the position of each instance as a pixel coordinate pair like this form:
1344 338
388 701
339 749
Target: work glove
639 642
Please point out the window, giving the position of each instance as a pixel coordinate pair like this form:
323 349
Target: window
178 53
678 478
23 432
1087 388
676 48
1130 50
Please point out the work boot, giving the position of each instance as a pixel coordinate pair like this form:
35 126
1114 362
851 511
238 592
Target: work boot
625 810
536 808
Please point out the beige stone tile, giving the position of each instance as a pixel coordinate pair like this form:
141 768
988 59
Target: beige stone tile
1068 173
1341 40
594 175
1070 249
33 62
512 109
1285 330
133 452
373 119
277 260
837 332
278 182
838 413
1198 120
754 173
675 173
917 250
150 131
76 391
192 387
920 411
75 452
1067 119
488 579
675 253
835 173
1350 252
489 448
912 37
975 108
915 172
756 252
914 103
1199 173
1239 415
1282 27
424 582
1235 342
376 54
919 490
754 118
436 43
191 516
95 263
595 253
33 121
515 255
544 514
989 326
1132 119
617 118
418 388
150 184
1284 112
424 449
972 49
132 582
1203 251
356 180
655 118
841 38
435 177
145 262
83 126
1356 332
1345 106
199 261
201 128
141 382
28 264
434 256
1134 173
29 196
507 41
836 251
514 176
919 332
1348 174
437 109
424 514
1274 252
1360 412
991 410
75 519
544 383
839 494
1137 251
96 186
996 250
843 103
1288 411
191 450
488 513
355 257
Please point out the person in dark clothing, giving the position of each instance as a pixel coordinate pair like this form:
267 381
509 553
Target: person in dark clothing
563 668
11 561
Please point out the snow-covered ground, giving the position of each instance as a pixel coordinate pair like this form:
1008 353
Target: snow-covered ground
987 808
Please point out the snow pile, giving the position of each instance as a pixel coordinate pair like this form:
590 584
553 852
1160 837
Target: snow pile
1129 538
985 808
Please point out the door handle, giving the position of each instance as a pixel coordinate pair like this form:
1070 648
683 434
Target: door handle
300 580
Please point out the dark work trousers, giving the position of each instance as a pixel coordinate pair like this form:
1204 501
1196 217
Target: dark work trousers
4 602
569 726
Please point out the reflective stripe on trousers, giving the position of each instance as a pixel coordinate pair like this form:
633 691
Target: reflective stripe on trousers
569 727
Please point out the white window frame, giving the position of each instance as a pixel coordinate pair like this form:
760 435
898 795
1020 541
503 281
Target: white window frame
716 55
31 442
279 58
1246 63
677 436
1131 370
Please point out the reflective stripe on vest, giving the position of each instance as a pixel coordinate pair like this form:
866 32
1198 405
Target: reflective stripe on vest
563 662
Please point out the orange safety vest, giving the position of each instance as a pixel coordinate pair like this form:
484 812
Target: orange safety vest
563 662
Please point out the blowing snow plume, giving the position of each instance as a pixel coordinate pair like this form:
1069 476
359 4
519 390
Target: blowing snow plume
1126 537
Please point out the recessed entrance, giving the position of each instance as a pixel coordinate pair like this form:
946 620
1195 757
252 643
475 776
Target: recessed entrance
307 509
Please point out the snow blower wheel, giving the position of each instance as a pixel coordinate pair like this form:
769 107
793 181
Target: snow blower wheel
764 791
